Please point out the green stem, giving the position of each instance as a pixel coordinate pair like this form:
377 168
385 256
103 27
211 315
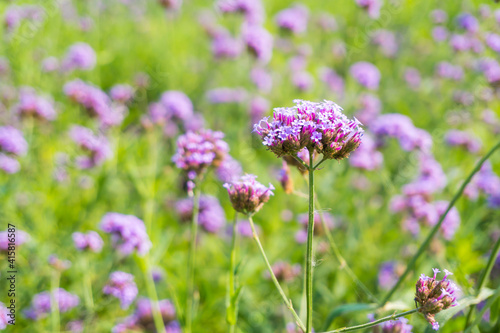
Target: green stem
232 286
54 301
373 323
309 253
151 289
287 301
192 259
87 287
484 277
435 229
343 263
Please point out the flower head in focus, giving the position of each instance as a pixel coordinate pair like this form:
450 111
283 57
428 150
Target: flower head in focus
248 195
433 295
319 127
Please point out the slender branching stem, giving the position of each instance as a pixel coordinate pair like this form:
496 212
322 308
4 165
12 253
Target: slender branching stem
319 163
435 229
301 161
373 323
192 259
287 301
484 277
309 252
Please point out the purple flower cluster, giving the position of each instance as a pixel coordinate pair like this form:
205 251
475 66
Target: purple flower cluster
248 195
493 41
367 74
319 127
96 102
31 104
122 286
487 182
142 319
399 126
58 264
399 325
370 108
226 95
386 40
196 152
259 42
468 22
367 157
244 228
122 93
226 46
15 15
251 9
211 215
41 303
293 19
412 77
388 275
303 219
12 144
447 70
96 146
334 81
284 271
128 233
433 296
229 170
80 56
257 108
371 6
21 238
90 241
262 79
4 319
463 139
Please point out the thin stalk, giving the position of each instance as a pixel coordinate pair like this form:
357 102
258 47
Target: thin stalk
287 301
435 229
232 284
54 301
373 323
309 253
151 289
484 278
192 259
343 263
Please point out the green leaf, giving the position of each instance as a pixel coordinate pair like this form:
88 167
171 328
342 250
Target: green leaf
463 303
346 308
479 315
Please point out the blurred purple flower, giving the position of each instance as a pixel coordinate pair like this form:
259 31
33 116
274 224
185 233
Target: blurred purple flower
96 146
58 264
449 71
387 275
366 156
439 34
177 104
387 42
211 216
370 108
452 220
463 139
302 80
12 141
41 303
334 81
229 170
371 6
16 14
226 95
226 46
412 77
122 93
468 22
122 286
284 271
31 104
259 42
293 19
90 241
21 238
258 107
50 64
431 177
399 325
79 56
128 233
439 16
366 74
262 79
9 164
493 41
252 9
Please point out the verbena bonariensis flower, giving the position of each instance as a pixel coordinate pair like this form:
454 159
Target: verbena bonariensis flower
142 319
439 34
371 6
366 156
388 275
412 77
122 93
12 141
9 164
79 56
244 228
285 179
433 296
430 179
293 19
262 79
387 42
226 46
177 105
370 108
128 233
91 241
259 42
284 271
399 126
15 15
319 127
196 152
211 216
301 235
302 80
439 16
252 9
32 104
493 41
399 325
21 238
463 139
41 303
485 181
50 64
122 286
96 102
226 95
447 70
229 170
334 81
97 147
75 326
468 22
248 195
257 108
367 74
